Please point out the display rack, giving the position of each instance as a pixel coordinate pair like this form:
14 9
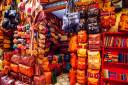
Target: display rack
112 66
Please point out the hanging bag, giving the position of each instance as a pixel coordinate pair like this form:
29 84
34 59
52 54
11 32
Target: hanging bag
70 19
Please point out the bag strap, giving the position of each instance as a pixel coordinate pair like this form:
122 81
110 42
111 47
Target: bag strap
70 7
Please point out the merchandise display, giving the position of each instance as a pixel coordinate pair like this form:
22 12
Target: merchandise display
84 44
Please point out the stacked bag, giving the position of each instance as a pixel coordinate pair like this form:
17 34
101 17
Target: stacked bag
94 58
22 37
82 56
78 44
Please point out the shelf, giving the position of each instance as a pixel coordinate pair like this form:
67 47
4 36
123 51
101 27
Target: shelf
119 48
120 64
112 80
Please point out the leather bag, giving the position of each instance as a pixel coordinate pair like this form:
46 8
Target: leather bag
14 67
27 60
39 80
26 70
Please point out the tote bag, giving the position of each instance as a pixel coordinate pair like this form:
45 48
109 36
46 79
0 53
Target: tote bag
70 19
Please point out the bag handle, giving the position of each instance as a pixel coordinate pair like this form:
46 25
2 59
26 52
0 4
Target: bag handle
71 5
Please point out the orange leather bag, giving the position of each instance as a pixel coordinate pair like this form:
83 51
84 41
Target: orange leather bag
73 60
48 77
72 76
81 77
73 44
82 36
14 67
26 70
81 63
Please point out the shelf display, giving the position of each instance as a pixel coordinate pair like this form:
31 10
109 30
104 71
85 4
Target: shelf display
79 48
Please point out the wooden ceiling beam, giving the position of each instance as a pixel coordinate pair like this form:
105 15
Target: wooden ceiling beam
63 7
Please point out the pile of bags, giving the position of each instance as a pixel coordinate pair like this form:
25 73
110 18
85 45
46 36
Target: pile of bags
78 43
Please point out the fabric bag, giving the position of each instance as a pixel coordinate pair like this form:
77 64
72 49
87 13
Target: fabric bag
72 76
15 59
73 44
81 63
94 60
27 60
82 36
93 77
81 77
39 80
14 67
48 77
81 52
28 71
73 60
70 19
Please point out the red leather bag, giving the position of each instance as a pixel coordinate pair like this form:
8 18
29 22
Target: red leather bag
72 76
82 36
6 63
48 77
26 70
7 56
27 60
15 59
39 80
81 64
14 67
73 60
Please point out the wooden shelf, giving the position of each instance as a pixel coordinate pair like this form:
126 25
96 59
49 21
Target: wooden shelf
112 80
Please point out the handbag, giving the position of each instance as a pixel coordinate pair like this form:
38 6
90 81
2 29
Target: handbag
48 77
82 36
81 77
93 77
94 60
15 59
81 63
72 76
73 60
39 80
123 22
14 67
7 56
26 70
27 60
73 44
81 52
70 19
